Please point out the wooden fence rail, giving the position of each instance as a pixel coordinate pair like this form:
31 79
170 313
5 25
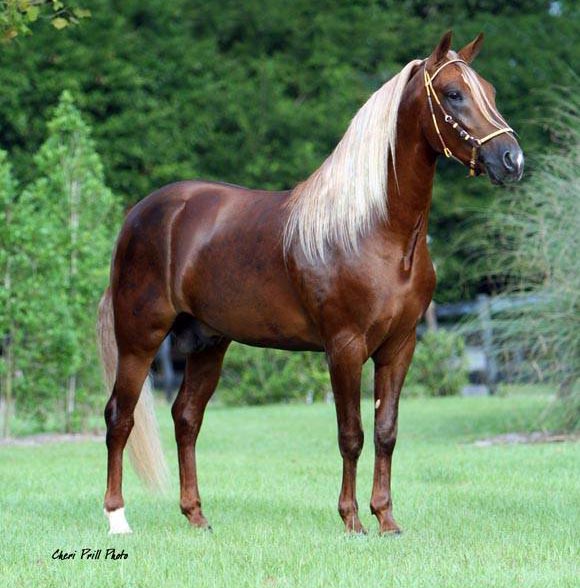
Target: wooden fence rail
484 307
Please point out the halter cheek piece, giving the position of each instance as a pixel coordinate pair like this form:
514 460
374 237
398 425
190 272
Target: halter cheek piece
465 135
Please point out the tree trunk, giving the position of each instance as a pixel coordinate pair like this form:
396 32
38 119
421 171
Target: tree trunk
566 387
7 398
8 353
431 317
70 402
74 204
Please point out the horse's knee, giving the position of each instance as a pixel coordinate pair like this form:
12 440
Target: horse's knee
351 443
385 439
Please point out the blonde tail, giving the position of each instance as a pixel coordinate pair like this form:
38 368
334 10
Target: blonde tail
145 449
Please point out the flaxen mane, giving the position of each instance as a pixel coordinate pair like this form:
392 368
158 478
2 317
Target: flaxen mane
346 194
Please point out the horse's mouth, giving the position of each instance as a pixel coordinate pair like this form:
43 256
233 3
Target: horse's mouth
482 169
498 175
493 178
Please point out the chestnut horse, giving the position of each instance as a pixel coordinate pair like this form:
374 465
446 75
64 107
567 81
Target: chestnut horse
339 265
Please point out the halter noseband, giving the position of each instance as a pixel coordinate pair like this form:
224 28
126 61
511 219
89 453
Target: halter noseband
473 141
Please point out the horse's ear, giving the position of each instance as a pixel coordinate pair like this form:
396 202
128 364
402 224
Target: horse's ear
440 52
471 50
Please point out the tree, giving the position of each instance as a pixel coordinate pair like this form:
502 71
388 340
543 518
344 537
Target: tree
82 215
58 252
258 93
34 315
8 251
17 16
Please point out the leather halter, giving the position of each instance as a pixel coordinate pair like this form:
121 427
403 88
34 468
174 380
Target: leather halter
465 135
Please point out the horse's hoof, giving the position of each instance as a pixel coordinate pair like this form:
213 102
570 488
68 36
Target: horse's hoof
118 524
359 533
202 528
356 530
390 532
201 524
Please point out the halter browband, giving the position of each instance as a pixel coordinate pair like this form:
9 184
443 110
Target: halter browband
473 141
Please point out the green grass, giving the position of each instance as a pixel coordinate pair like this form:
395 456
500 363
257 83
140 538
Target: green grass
473 516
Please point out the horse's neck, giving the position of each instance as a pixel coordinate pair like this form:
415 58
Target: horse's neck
411 186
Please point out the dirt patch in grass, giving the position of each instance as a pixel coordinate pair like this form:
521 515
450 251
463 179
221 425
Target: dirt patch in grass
536 437
44 438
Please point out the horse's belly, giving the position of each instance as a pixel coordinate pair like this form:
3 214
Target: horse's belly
263 318
248 297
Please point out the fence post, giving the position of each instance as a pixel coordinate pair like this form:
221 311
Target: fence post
431 316
484 313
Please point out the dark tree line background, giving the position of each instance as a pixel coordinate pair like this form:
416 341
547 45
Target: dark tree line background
259 92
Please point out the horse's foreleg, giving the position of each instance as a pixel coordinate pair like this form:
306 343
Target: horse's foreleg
390 371
202 372
131 374
345 364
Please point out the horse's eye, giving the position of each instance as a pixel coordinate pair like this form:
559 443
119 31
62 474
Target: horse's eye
454 96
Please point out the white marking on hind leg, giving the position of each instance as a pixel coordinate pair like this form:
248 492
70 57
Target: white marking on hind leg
118 524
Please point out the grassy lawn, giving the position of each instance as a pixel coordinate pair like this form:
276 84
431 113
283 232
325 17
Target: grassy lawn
472 516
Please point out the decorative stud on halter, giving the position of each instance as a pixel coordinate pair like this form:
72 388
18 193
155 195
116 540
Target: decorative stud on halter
464 134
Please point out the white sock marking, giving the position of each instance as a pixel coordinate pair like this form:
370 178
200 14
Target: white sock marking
117 522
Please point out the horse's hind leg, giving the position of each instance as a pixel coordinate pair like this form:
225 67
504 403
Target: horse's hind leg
131 374
138 336
202 372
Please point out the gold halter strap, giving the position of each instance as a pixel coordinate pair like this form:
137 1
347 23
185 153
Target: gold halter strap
465 135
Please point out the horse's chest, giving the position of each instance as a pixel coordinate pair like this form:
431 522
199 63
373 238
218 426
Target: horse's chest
376 298
401 299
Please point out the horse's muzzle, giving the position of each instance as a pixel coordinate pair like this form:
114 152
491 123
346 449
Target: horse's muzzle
502 160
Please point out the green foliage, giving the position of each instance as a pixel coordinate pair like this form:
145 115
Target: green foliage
254 376
263 376
9 257
438 367
81 213
57 244
17 16
258 93
563 413
534 254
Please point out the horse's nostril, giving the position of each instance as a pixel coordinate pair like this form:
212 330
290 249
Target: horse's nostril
508 161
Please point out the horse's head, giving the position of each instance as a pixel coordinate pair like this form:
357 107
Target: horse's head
461 119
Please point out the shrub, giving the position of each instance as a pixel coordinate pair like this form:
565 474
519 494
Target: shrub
535 253
262 376
438 367
252 376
